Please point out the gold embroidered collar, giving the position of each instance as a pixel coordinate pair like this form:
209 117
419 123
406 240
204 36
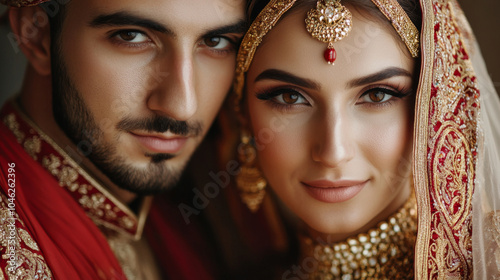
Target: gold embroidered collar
385 252
97 202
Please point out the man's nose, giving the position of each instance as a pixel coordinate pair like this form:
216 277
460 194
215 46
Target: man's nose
175 92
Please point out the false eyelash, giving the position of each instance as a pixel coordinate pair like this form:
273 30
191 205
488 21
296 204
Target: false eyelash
268 95
397 92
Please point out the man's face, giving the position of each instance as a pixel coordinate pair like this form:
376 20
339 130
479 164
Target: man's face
137 84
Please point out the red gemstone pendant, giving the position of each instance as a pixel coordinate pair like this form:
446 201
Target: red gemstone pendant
330 55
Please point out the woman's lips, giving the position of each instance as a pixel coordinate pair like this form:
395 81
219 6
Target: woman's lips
334 191
161 144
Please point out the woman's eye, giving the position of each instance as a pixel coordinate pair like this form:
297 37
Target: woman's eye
377 96
217 42
131 36
283 96
290 98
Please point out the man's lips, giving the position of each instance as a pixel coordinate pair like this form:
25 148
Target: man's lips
159 143
334 191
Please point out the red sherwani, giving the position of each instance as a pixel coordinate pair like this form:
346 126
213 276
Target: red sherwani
57 221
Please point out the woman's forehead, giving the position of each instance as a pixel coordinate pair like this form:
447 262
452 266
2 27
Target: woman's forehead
368 48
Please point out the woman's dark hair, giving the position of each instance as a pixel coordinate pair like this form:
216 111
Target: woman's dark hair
411 7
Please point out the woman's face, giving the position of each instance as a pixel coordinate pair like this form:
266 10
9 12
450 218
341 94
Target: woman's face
334 141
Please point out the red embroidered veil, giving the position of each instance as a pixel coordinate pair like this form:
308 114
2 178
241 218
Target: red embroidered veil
455 152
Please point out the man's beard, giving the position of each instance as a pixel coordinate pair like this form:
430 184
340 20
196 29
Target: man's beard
77 122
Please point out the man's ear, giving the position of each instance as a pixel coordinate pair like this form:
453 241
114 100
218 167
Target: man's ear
31 29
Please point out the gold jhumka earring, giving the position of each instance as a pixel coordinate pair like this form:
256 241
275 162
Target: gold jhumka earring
329 22
250 183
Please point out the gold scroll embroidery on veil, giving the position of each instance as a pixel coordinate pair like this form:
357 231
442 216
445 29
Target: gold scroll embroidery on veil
451 153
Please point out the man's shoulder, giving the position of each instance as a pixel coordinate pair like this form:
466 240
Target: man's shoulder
20 254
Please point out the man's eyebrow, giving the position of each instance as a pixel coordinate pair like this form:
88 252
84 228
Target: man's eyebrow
379 76
125 18
238 27
280 75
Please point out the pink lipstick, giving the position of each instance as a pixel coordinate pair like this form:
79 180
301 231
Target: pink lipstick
334 191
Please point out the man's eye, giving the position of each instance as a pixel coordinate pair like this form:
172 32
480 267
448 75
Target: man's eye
132 36
217 42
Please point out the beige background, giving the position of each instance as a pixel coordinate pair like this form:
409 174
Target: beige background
483 15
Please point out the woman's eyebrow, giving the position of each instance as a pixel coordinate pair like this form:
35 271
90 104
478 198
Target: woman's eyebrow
379 76
280 75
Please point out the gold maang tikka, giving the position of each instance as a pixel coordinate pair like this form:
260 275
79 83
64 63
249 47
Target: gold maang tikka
329 22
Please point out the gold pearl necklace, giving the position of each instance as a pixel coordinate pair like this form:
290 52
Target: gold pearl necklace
385 252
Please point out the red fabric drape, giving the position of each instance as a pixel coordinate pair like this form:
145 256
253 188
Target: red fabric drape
70 242
181 250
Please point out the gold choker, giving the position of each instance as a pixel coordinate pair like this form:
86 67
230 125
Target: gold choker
385 252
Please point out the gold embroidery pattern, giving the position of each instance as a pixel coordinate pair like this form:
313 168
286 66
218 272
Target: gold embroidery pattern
29 262
33 146
465 29
65 175
93 201
13 125
26 237
451 153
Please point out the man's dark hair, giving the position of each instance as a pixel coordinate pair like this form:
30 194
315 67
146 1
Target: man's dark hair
56 13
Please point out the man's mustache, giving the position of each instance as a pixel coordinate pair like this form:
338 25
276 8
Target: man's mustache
161 124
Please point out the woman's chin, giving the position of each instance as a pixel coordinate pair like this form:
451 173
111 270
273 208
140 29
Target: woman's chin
332 233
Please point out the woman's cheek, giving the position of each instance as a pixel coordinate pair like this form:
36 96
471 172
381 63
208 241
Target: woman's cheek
387 141
278 142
